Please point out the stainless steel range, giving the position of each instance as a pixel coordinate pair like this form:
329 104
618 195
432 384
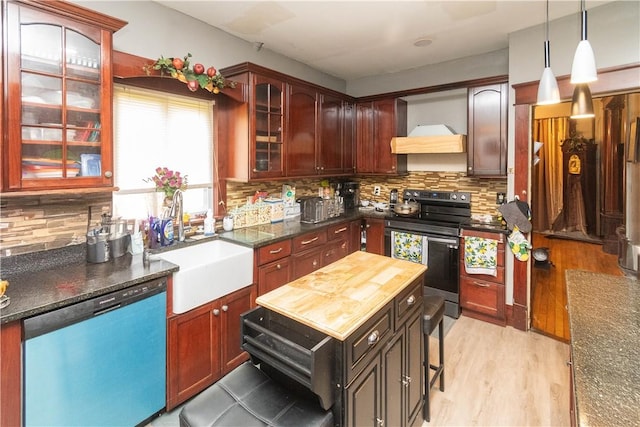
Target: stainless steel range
431 237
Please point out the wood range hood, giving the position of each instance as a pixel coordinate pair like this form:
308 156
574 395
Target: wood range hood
429 139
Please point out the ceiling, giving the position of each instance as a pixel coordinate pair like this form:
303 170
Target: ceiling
354 39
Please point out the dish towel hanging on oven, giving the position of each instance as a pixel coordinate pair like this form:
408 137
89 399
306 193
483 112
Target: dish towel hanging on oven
409 247
480 255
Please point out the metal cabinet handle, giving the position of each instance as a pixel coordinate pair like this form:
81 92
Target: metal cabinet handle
216 312
225 308
411 300
277 251
373 338
340 230
306 242
482 285
379 422
406 380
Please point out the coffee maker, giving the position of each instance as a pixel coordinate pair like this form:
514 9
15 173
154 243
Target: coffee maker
350 192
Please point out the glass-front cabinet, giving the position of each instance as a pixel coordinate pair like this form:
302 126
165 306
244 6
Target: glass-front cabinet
268 155
59 101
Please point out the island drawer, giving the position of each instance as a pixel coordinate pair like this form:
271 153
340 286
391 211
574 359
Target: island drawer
408 300
297 351
362 345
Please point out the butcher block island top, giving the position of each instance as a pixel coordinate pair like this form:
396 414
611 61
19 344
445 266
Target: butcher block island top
341 296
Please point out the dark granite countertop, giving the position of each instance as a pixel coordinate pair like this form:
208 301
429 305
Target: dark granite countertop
44 281
495 227
604 320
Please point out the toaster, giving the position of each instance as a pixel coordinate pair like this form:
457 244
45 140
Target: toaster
312 209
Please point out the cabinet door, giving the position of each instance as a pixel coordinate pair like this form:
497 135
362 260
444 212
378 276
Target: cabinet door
306 262
364 138
331 153
231 307
487 131
268 128
335 250
374 228
394 381
301 135
273 275
390 119
414 368
349 138
59 102
364 397
193 354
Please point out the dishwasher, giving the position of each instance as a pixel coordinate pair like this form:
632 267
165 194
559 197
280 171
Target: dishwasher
100 362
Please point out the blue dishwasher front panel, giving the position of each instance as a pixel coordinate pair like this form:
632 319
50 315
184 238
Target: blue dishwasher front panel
109 370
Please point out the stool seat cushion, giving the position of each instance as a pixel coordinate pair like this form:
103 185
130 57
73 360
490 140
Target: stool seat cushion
432 312
248 397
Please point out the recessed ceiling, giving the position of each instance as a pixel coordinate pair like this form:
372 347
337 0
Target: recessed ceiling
354 39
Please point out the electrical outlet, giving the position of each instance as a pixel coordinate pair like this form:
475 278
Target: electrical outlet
376 190
501 198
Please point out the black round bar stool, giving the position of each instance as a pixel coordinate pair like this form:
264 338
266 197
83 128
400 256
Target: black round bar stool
432 315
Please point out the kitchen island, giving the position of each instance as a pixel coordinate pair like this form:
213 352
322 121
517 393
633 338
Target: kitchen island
353 328
604 320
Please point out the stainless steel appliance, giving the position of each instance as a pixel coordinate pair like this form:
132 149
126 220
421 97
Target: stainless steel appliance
431 237
100 362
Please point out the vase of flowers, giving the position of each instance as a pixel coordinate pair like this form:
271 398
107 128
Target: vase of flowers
168 182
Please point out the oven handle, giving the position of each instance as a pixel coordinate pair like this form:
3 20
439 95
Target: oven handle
453 243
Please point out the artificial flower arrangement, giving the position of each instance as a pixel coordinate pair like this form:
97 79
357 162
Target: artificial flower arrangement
168 181
195 77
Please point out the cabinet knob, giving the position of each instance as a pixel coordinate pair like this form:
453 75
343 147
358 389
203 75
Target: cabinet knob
108 174
315 262
278 266
225 308
373 338
411 300
216 312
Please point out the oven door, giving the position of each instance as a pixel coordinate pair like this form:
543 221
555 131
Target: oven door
442 276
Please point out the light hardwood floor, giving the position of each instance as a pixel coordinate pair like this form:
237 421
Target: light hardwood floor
500 376
494 376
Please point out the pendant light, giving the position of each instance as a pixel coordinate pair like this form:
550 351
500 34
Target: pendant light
583 69
582 103
548 92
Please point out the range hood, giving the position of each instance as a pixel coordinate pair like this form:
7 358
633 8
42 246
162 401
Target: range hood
430 139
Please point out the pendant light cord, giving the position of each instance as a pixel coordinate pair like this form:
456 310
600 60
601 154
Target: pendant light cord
583 15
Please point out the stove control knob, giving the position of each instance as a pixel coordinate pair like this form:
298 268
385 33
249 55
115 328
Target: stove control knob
463 197
415 194
454 197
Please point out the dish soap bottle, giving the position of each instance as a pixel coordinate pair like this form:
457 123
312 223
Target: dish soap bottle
208 224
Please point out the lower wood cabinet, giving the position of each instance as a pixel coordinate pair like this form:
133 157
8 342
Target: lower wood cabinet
374 229
482 296
11 373
204 344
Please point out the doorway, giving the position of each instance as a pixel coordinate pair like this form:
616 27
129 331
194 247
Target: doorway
577 200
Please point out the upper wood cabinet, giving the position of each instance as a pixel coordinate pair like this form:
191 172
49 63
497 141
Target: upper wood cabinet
376 123
58 102
487 131
276 126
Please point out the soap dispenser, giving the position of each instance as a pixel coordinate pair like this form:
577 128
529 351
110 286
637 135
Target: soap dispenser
209 224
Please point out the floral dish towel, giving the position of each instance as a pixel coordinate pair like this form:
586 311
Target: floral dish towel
480 255
409 247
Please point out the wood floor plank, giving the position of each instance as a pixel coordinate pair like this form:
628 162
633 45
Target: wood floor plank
484 381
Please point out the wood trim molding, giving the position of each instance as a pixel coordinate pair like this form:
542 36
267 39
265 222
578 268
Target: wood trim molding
76 12
618 79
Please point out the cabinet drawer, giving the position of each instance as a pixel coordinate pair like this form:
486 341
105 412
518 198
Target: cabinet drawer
498 278
338 231
306 262
309 240
274 251
335 250
273 275
406 302
364 343
482 296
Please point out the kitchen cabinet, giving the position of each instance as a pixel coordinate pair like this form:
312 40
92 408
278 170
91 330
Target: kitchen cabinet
58 102
307 252
374 232
11 374
482 296
487 130
376 123
273 266
275 126
204 345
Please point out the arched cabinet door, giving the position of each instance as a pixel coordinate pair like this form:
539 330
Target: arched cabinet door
487 131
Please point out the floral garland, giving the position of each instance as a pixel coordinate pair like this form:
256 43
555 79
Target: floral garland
195 77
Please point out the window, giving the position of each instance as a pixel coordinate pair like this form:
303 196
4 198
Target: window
153 129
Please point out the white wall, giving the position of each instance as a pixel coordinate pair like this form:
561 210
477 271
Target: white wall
154 30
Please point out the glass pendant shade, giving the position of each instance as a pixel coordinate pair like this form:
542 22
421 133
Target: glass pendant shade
583 69
548 92
582 103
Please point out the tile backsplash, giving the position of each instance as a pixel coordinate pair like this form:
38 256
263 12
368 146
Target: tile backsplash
35 223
